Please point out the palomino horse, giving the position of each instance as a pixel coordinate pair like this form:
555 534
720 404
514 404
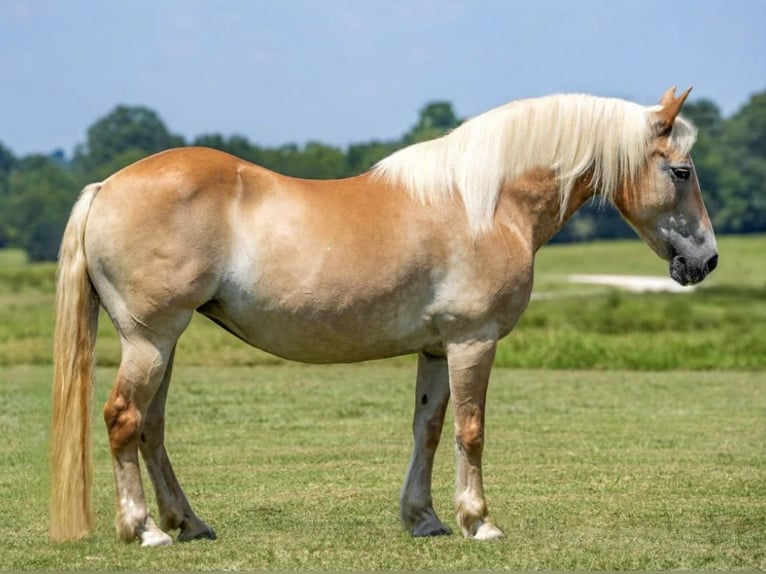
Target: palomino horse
431 252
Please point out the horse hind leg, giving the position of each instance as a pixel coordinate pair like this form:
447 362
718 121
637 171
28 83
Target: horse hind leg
416 508
145 360
174 509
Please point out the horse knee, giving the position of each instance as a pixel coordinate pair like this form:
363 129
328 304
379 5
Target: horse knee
123 421
470 432
430 432
434 433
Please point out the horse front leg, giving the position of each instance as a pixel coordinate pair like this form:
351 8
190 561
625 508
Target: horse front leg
175 510
416 508
469 367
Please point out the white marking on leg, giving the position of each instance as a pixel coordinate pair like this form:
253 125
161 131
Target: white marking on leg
469 365
153 536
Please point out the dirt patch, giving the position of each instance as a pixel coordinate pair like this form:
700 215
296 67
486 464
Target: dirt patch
634 283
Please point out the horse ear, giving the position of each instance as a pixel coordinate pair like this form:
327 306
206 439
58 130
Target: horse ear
671 107
668 96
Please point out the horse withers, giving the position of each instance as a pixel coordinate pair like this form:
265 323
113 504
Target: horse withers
430 252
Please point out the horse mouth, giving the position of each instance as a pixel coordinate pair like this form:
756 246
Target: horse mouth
685 272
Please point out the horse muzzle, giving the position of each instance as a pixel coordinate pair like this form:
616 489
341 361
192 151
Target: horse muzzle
688 271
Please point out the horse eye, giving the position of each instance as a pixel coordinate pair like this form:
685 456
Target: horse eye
681 172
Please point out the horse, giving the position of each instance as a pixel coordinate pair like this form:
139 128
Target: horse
430 252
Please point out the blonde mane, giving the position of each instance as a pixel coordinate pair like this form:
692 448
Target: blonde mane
572 134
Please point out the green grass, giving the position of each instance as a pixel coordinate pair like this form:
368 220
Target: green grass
299 467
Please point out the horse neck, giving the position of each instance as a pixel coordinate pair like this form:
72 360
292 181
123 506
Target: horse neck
531 204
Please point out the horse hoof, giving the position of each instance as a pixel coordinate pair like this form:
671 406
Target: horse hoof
431 530
155 538
488 531
206 534
150 535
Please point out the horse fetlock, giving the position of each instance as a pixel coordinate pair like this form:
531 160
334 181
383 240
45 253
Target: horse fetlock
471 514
125 532
170 520
421 520
129 521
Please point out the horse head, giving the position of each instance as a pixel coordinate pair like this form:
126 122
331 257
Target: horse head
665 205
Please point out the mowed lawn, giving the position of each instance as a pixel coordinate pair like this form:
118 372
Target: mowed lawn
623 432
299 467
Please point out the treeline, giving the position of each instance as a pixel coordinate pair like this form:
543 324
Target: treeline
37 191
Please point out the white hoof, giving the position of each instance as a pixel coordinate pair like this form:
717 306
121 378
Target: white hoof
155 539
153 536
488 531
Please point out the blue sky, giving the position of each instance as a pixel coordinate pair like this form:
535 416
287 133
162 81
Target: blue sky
344 71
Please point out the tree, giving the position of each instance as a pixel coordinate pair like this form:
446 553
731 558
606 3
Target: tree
7 163
361 157
319 161
743 175
436 119
137 130
40 195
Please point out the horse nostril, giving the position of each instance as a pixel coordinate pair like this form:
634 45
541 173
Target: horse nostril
712 263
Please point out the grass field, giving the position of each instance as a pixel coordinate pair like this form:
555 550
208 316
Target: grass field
639 444
298 467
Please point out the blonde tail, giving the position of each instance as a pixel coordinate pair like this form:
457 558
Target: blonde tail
74 338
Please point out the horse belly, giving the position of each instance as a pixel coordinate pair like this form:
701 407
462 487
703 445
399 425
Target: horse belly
316 331
317 282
